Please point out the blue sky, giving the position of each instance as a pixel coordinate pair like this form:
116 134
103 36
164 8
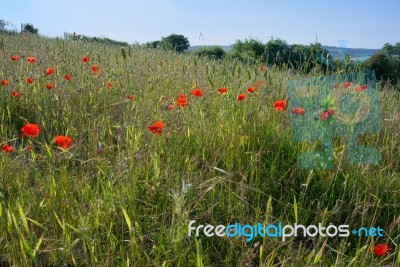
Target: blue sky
360 24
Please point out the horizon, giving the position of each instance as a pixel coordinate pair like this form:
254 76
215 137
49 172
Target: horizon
363 26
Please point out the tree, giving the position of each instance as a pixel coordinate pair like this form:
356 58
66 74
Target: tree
6 26
28 28
177 42
213 52
249 49
386 67
277 52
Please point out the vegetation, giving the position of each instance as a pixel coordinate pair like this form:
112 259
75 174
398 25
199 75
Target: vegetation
28 28
174 42
212 52
138 167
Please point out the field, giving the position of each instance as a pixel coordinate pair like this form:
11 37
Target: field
122 192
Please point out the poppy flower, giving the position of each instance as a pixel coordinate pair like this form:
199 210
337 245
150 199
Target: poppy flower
67 77
347 84
381 249
49 86
181 101
31 59
280 105
197 93
94 69
85 59
361 87
99 150
222 90
62 141
298 111
29 80
263 68
171 107
15 57
241 96
15 94
7 148
49 71
131 97
4 82
251 90
109 85
28 148
326 114
156 128
30 129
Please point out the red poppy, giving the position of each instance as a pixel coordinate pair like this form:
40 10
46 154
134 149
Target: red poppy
49 71
4 82
361 87
131 97
197 93
326 114
298 111
28 148
15 94
109 85
30 129
85 59
171 107
223 90
347 84
241 96
67 77
7 148
156 127
263 68
62 141
181 101
280 105
94 69
381 249
15 57
49 86
29 80
251 90
31 59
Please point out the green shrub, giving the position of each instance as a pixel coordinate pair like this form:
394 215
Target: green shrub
213 52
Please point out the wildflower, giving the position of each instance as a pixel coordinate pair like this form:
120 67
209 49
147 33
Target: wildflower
131 97
109 85
197 93
28 148
99 150
263 68
49 86
171 107
62 141
67 77
31 59
85 59
298 111
4 82
30 129
326 114
15 94
156 127
280 105
94 69
222 90
381 249
49 71
181 100
29 80
7 148
251 89
241 96
15 57
361 87
347 84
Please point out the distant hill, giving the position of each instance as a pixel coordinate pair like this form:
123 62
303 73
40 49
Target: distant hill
356 54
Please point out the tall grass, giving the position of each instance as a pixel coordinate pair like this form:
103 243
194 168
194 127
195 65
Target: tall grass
218 161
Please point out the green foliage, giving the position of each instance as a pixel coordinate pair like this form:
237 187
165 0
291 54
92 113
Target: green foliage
277 52
386 64
176 42
28 28
212 52
88 39
249 48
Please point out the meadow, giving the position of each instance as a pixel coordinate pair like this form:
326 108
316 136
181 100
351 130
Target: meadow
143 160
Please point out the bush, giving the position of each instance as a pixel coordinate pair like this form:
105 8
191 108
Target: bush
176 42
386 67
28 28
212 52
249 48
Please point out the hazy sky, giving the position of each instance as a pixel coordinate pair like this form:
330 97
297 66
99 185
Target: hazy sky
360 23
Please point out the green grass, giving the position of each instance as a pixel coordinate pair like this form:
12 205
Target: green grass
130 205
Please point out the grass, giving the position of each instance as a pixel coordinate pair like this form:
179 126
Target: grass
217 161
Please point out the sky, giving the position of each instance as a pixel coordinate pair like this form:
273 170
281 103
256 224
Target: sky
350 23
